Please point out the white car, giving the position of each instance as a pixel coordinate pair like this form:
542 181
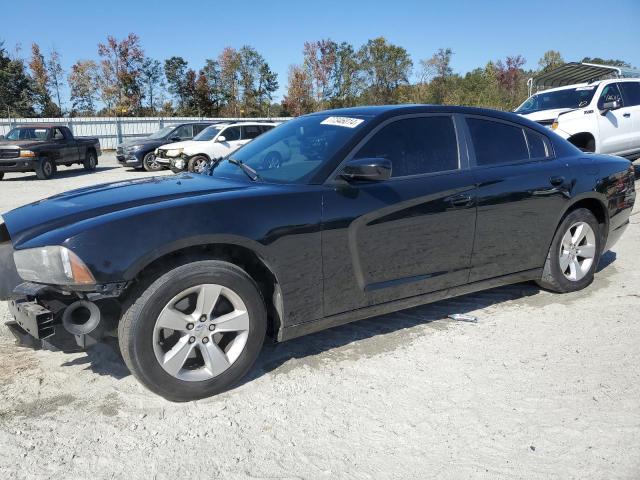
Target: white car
601 116
215 141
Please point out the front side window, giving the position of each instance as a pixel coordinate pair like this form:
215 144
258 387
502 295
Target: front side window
57 134
207 134
231 134
415 146
496 142
198 128
610 93
631 93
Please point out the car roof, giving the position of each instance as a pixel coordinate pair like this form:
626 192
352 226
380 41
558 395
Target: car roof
40 125
395 110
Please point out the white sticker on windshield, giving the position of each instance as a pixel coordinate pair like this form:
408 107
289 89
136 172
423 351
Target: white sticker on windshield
585 88
342 121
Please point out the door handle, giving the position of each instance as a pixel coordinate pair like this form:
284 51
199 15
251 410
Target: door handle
626 115
556 181
462 200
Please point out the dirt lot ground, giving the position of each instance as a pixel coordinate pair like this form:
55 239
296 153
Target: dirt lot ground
544 386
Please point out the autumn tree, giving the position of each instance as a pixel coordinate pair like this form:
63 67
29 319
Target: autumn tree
229 61
345 86
121 67
512 79
56 75
299 97
40 76
83 84
383 67
320 62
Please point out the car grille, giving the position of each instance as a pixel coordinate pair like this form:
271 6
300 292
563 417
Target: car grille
9 153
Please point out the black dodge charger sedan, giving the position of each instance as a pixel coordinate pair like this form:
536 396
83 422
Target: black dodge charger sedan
368 210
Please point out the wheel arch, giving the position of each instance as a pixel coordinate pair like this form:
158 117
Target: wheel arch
596 206
582 139
241 255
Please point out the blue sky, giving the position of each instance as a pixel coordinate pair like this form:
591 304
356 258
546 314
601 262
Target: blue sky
476 31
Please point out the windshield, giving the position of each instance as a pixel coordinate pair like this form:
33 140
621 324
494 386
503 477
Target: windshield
294 151
567 98
163 132
27 133
208 133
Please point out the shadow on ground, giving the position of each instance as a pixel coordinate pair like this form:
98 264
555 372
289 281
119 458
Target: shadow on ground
62 172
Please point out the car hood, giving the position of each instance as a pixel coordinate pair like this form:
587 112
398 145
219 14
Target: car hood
19 143
68 208
170 146
543 115
141 141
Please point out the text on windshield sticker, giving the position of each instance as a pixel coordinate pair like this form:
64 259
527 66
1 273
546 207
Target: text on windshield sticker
342 121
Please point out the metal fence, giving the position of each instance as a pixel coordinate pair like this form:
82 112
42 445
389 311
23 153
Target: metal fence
113 130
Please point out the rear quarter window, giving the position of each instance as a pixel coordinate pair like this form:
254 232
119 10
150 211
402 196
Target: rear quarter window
497 143
538 145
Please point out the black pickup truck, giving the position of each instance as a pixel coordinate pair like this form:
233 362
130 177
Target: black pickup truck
41 148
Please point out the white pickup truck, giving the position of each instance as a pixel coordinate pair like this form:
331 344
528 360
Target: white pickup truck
601 116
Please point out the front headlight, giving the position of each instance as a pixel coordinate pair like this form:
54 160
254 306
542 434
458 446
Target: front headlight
554 125
134 148
174 152
53 265
27 154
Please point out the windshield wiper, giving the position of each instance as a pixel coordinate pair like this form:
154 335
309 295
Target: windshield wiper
251 173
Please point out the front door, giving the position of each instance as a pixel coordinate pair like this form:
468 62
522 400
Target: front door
232 140
615 126
631 98
409 235
66 150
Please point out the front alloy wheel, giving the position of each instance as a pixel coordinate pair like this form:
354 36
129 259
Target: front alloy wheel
201 332
194 331
150 163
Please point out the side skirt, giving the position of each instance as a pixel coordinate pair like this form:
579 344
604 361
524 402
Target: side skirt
294 331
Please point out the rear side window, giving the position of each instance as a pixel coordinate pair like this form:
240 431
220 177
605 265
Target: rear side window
185 132
497 142
538 145
249 132
198 128
631 93
415 146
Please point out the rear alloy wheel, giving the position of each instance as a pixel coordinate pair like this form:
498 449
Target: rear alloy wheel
45 169
574 253
150 163
195 331
90 162
197 163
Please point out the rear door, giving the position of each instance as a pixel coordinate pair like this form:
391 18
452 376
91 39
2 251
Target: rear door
521 189
406 236
631 98
615 126
249 132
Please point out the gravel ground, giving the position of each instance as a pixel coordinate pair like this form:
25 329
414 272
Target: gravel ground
543 386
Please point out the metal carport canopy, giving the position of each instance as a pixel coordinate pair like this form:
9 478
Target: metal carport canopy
575 72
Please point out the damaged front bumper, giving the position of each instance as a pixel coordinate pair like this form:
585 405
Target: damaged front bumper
45 317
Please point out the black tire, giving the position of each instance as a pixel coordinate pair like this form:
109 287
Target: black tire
196 163
135 331
91 161
45 169
149 163
552 276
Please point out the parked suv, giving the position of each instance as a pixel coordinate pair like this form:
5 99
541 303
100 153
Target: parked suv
139 152
213 142
601 117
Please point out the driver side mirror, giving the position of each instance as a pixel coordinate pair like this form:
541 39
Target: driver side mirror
612 105
221 138
367 169
175 139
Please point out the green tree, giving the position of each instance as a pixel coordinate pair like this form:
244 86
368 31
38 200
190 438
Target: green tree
151 77
40 76
16 87
83 84
384 67
56 75
175 70
551 60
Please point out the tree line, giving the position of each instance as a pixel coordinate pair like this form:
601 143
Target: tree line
123 81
